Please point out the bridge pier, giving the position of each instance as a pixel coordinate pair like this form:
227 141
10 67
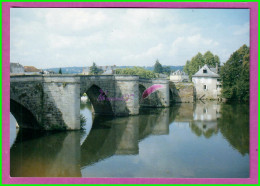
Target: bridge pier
126 100
61 105
158 99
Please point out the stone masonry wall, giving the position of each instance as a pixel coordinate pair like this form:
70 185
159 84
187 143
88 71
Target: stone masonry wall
126 100
61 106
159 98
182 92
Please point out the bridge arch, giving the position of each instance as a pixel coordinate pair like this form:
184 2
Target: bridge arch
24 117
99 100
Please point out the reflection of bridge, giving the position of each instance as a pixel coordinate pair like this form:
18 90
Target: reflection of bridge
63 155
53 101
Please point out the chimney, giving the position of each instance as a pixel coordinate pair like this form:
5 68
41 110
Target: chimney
217 67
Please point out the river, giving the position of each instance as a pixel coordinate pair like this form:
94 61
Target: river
200 140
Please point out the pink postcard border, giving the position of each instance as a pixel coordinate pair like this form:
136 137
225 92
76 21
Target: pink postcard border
253 6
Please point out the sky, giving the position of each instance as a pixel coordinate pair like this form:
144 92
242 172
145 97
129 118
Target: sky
65 37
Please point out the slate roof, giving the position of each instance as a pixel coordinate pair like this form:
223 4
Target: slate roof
211 72
178 72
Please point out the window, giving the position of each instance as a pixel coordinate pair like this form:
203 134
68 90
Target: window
205 87
204 71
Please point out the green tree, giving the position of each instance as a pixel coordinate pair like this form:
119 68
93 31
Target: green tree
60 71
210 59
196 63
193 65
235 75
137 71
167 70
158 67
186 67
95 70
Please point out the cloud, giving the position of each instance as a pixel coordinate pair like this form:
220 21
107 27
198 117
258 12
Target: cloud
241 29
73 19
57 37
184 48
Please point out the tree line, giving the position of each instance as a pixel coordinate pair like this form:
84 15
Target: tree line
234 73
140 71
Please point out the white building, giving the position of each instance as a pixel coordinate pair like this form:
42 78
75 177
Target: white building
107 70
207 83
179 76
16 68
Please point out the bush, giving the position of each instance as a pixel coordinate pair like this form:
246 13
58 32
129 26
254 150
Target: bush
137 71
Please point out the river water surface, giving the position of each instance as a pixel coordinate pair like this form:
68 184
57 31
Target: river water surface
202 140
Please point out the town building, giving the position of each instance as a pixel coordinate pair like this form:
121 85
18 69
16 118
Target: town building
179 76
48 72
107 70
207 84
16 68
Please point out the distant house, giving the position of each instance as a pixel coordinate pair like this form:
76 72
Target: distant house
86 71
179 76
48 72
107 70
162 75
16 68
207 83
31 70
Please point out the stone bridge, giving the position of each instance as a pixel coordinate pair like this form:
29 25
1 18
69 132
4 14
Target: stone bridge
52 102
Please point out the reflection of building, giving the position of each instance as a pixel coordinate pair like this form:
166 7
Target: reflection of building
179 76
205 117
208 111
16 68
207 83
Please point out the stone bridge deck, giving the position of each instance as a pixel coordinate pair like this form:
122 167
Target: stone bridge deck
52 102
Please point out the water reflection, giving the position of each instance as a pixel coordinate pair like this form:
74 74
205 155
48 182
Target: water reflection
45 154
235 127
107 139
205 117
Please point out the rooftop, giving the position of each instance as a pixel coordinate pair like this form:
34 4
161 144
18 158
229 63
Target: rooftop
205 71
